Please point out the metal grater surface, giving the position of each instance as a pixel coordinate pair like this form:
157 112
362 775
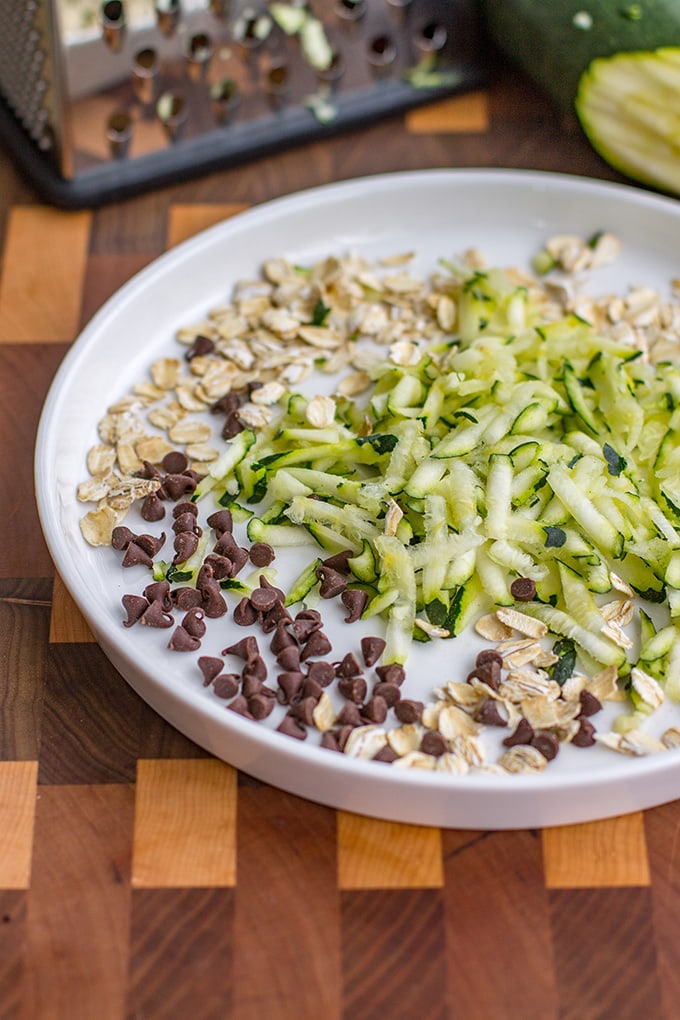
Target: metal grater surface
26 74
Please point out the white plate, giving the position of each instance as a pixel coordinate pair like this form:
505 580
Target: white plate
508 215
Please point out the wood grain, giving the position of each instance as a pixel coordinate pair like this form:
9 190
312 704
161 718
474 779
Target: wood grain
186 220
67 623
104 275
78 907
185 824
18 780
611 852
468 113
287 963
24 622
375 854
41 282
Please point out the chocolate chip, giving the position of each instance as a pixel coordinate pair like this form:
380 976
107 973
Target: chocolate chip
547 743
263 599
488 655
585 734
292 727
390 692
251 685
156 616
194 623
489 673
214 604
226 685
433 743
240 706
332 582
210 666
339 561
201 345
176 486
312 688
135 555
348 666
186 506
322 672
261 554
221 522
375 709
392 673
186 522
121 538
261 705
283 639
257 667
329 741
304 710
232 426
152 508
491 713
244 614
246 648
185 544
349 715
523 589
175 462
220 566
408 711
290 686
182 641
187 598
316 644
289 657
590 705
306 623
522 734
354 688
371 649
159 591
355 600
385 754
134 606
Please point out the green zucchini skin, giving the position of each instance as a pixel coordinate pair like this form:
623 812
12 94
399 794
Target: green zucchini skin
544 38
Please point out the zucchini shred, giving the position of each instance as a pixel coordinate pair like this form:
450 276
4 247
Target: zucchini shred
520 448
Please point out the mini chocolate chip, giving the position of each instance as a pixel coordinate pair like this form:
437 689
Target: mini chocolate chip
290 685
221 566
214 604
135 555
156 616
227 403
522 734
390 692
282 639
232 426
186 522
152 508
355 600
266 583
392 673
316 644
329 741
210 666
240 706
244 615
182 641
186 506
159 591
433 743
151 544
353 688
292 727
311 688
246 648
176 486
251 684
547 743
491 713
226 685
263 599
134 606
194 622
305 626
289 657
590 705
385 754
201 345
175 462
489 673
322 672
585 734
408 711
343 735
371 649
186 544
339 561
304 710
332 582
256 666
349 666
261 554
238 557
121 538
488 655
221 521
349 715
375 709
523 589
260 705
186 598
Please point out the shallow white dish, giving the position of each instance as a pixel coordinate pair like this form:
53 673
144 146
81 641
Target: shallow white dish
506 214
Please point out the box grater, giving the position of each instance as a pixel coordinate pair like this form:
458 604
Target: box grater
99 100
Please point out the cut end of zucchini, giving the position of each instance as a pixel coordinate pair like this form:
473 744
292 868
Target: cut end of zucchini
627 106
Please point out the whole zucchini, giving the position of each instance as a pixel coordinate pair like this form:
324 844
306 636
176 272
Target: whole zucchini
615 63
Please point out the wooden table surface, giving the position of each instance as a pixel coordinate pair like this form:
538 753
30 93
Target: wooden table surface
115 901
